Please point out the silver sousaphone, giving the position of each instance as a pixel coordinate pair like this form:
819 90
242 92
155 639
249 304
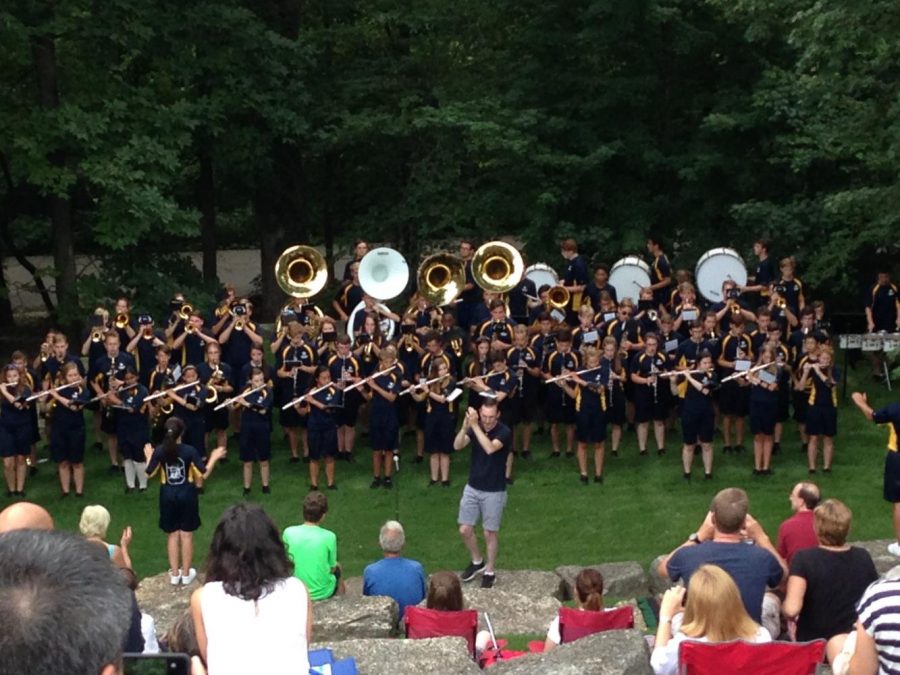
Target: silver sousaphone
383 274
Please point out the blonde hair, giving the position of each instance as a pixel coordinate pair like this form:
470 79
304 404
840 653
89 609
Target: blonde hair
832 522
714 608
94 521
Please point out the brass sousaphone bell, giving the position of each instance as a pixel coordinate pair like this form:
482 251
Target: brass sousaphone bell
497 267
441 278
301 271
558 297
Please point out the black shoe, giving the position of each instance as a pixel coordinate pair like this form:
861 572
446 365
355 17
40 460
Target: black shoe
432 483
128 490
526 454
98 446
707 476
768 472
584 479
615 453
776 448
472 571
267 489
246 492
294 460
726 449
32 471
333 486
757 472
739 448
554 454
388 483
419 459
828 470
10 494
687 477
660 452
21 494
376 483
445 483
598 479
64 495
510 481
643 453
812 472
79 495
113 468
487 580
143 489
313 488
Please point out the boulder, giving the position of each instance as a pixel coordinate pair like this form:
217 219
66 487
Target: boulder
893 574
658 584
353 586
511 613
877 548
163 601
345 617
615 652
533 583
431 656
620 579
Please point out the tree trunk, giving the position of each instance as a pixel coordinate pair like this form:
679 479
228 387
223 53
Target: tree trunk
6 313
43 51
206 199
270 242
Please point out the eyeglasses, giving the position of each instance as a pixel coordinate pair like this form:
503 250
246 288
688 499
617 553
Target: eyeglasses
625 312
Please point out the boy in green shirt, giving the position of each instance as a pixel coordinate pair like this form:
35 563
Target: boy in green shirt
314 550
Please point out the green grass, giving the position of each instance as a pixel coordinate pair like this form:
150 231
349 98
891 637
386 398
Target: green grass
644 508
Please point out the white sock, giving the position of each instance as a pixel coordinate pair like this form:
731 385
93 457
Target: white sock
129 473
141 470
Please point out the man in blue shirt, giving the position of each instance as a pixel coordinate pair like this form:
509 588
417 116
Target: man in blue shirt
395 576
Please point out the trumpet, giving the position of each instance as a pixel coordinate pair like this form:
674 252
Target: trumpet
735 308
122 320
190 329
781 304
97 335
239 324
652 314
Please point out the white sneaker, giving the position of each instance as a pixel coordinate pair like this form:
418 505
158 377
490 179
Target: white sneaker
175 579
894 549
189 577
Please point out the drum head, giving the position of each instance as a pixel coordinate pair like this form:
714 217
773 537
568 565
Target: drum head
542 275
714 268
628 276
383 273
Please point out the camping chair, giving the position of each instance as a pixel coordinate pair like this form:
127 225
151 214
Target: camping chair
574 623
427 623
746 658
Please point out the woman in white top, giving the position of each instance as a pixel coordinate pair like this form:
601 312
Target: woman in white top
588 595
252 615
714 613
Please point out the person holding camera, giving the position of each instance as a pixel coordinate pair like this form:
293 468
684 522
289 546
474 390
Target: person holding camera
240 335
142 347
730 306
193 340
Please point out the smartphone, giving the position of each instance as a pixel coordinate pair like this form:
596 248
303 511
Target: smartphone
156 664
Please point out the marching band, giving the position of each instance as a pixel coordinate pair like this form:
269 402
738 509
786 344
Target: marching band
632 345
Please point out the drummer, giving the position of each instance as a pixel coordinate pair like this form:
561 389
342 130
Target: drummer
660 271
764 275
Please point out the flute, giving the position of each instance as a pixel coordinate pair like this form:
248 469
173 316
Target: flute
118 391
166 392
356 385
567 375
476 378
744 373
47 392
300 399
422 385
238 397
676 373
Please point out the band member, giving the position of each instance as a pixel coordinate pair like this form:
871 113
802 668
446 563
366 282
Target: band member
660 271
384 425
648 312
298 365
257 360
599 284
522 406
498 329
522 297
764 276
256 429
124 323
132 431
189 408
322 428
92 346
790 288
218 380
31 380
326 341
67 438
544 342
162 377
500 385
614 376
371 309
239 336
606 313
821 415
142 348
470 295
558 409
711 335
222 312
668 340
575 278
683 278
51 369
821 321
360 248
585 334
760 335
15 430
44 353
687 309
481 312
106 373
734 398
179 313
350 295
809 354
191 343
785 383
368 344
882 315
779 308
731 306
345 370
652 399
436 352
626 330
764 386
698 415
440 420
807 322
589 393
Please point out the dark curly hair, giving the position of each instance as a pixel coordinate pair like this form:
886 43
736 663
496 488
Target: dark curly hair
246 553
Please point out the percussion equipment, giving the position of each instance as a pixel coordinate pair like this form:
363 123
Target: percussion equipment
542 275
441 278
383 273
301 271
628 276
715 267
388 326
497 266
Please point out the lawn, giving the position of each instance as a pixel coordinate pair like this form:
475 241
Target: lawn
643 508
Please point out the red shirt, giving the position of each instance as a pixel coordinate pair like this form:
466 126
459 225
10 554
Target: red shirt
796 533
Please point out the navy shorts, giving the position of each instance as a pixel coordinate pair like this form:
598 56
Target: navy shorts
322 443
131 446
734 400
255 442
697 425
291 419
179 508
215 419
892 477
647 409
821 421
763 417
384 436
801 405
346 416
615 410
590 426
439 431
67 445
107 421
559 409
15 440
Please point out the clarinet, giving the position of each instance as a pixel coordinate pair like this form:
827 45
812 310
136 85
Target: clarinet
654 371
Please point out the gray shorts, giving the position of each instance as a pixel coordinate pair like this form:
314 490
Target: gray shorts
488 505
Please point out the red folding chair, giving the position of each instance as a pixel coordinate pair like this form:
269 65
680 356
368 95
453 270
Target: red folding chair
427 623
577 623
746 658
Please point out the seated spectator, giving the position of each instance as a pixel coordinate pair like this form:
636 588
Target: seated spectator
94 524
826 582
25 516
181 637
797 532
314 550
877 649
588 596
140 621
395 576
721 541
444 593
251 615
64 607
714 613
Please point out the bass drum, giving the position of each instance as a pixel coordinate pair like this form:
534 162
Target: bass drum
628 276
388 326
542 275
714 268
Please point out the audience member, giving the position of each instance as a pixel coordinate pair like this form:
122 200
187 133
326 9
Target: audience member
181 637
714 612
65 608
251 615
141 623
25 516
313 550
444 592
395 576
588 596
797 532
826 582
877 649
721 541
94 524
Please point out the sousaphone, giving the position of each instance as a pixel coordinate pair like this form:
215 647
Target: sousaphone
441 278
497 267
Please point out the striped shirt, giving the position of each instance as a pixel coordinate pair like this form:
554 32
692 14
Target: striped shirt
879 614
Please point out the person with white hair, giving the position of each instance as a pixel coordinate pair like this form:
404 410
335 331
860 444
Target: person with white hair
395 576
